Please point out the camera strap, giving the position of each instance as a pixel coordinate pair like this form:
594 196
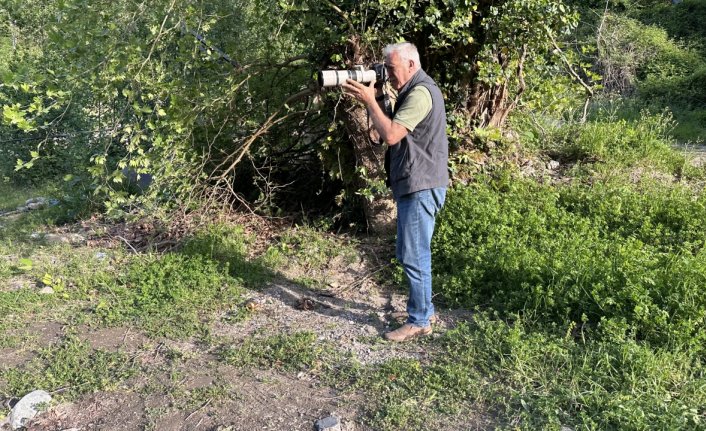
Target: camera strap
387 108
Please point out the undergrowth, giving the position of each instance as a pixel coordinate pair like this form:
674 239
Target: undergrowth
529 377
630 254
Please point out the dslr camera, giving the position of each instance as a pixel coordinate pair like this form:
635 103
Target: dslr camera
334 78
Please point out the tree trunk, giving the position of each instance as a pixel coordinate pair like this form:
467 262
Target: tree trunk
380 213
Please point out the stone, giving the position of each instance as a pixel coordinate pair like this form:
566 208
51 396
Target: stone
39 200
27 408
69 238
331 423
46 290
35 205
553 165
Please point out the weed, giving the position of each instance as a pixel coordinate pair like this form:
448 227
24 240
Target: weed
578 253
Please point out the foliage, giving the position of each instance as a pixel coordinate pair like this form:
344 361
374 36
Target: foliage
632 256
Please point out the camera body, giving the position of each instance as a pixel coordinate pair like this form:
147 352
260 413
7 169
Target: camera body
335 78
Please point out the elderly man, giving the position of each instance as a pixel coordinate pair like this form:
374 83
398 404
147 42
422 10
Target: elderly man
418 174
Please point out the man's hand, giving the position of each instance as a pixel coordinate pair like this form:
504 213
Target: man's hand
362 93
389 131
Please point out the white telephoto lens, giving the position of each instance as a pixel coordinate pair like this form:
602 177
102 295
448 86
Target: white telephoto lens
334 78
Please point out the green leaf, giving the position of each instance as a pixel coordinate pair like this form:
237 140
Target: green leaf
25 264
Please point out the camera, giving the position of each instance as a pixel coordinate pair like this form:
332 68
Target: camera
334 78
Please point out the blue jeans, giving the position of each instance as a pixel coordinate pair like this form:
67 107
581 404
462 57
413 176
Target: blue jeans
416 214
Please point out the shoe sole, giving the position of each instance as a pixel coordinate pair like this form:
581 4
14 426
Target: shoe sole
412 337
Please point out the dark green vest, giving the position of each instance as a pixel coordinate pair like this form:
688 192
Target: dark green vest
420 160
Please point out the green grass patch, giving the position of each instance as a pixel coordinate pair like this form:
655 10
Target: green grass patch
579 253
171 295
529 377
290 352
18 307
228 245
70 368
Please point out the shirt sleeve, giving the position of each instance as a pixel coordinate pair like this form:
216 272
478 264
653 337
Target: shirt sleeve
416 106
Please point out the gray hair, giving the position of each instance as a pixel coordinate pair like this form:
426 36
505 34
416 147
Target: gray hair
406 51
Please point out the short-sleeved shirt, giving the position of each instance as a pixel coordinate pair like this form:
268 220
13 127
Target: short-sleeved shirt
416 106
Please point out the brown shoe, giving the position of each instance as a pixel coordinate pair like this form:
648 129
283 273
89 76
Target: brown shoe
401 317
407 332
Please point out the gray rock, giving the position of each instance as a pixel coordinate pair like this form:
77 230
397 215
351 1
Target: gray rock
69 238
46 290
35 205
553 165
27 408
39 200
331 423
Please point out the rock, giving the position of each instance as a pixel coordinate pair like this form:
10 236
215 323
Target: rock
46 290
26 408
35 205
39 200
553 165
69 238
331 423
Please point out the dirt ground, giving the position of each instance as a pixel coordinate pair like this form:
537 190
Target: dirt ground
199 392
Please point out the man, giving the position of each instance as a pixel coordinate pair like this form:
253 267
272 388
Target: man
418 174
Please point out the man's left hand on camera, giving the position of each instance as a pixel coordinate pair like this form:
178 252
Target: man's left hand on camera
363 93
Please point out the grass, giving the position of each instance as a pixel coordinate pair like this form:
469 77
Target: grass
298 351
70 368
309 252
529 377
171 295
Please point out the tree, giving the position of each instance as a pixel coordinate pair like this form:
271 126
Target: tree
218 96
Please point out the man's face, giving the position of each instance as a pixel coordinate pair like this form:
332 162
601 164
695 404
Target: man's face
399 71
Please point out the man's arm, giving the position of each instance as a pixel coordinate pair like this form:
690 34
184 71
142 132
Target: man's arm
390 132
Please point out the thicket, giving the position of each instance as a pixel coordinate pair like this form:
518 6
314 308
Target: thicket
172 90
